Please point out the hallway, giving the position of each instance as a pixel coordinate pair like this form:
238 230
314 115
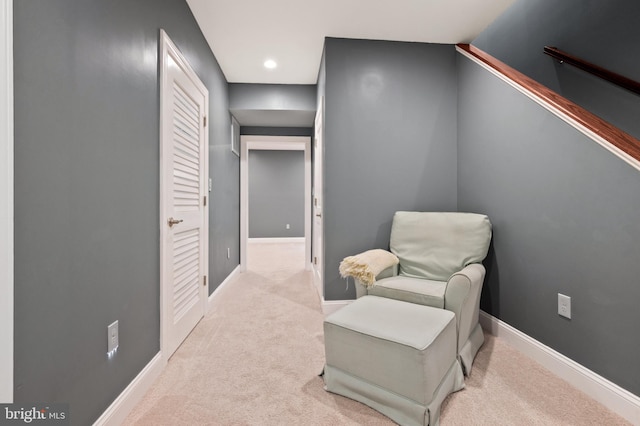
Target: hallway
255 359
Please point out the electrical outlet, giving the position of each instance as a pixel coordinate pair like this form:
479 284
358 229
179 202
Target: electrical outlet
564 306
288 226
228 253
112 338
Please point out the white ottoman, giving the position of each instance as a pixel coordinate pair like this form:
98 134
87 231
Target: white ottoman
396 357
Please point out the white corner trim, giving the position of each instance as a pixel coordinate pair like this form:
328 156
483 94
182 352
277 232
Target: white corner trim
6 203
561 115
612 396
330 306
133 394
224 283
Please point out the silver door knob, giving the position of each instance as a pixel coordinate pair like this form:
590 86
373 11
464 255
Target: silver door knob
173 221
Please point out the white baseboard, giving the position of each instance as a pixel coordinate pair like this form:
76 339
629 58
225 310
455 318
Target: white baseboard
330 306
226 281
132 395
612 396
276 240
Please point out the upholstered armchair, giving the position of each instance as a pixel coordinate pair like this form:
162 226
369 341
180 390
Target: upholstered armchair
440 257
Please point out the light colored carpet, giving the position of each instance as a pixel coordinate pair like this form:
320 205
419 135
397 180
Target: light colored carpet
255 359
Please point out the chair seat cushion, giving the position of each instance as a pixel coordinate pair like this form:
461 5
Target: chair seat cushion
413 290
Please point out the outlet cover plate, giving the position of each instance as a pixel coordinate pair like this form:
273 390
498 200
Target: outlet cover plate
112 337
564 306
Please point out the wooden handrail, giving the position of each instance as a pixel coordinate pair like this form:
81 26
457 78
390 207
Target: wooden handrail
596 70
605 130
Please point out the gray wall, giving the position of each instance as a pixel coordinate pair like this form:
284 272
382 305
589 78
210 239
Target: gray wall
390 142
273 105
276 194
565 216
276 131
602 32
87 191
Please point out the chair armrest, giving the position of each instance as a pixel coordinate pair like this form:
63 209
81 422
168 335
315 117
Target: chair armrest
462 297
367 266
362 290
391 271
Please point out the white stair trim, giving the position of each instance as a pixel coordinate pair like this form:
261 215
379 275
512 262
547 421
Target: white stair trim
612 396
629 159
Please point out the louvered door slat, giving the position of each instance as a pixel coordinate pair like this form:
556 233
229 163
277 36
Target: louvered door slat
184 159
186 197
185 136
184 102
186 271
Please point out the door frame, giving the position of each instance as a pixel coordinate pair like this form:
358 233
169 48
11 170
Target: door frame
273 143
167 47
6 204
318 193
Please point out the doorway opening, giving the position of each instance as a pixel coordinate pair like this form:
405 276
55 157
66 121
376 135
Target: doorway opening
273 143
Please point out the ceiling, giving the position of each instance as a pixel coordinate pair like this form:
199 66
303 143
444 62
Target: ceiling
245 33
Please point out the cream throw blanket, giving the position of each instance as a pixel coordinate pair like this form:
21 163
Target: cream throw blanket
367 265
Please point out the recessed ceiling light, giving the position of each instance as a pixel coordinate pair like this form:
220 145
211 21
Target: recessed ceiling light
270 64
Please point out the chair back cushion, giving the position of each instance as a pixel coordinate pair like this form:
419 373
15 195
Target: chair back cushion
435 245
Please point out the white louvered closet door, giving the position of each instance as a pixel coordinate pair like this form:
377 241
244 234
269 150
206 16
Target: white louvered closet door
184 152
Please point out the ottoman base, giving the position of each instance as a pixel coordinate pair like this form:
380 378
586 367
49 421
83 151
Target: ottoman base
398 408
397 357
